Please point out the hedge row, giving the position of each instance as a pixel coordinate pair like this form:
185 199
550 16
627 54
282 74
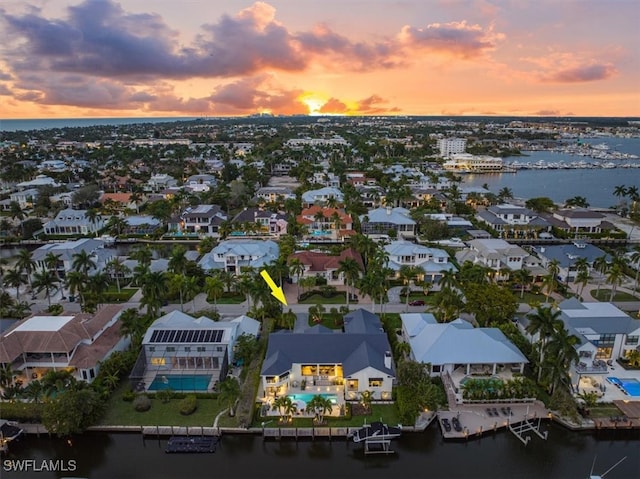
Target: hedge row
22 411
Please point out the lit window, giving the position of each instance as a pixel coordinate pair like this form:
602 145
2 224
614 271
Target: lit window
158 362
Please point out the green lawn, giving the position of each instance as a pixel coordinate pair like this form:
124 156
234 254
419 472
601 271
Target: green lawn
604 411
329 321
605 295
416 295
338 298
229 298
122 413
530 298
387 413
125 294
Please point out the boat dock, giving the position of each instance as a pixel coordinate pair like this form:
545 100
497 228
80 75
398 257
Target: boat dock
307 432
192 444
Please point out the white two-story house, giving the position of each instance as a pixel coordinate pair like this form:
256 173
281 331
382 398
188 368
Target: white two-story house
513 221
432 260
233 255
496 254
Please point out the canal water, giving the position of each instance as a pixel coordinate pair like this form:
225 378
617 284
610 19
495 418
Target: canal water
418 455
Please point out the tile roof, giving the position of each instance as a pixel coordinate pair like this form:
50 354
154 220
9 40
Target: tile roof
319 262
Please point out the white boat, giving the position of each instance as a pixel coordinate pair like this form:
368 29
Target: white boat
600 146
600 476
377 431
9 431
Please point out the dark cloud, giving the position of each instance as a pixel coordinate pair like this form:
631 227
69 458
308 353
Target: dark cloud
4 90
374 105
547 113
586 73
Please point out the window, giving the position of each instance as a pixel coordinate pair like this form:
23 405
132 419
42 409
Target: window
84 374
606 340
187 348
158 361
632 340
92 373
375 382
219 349
152 349
435 368
171 349
201 349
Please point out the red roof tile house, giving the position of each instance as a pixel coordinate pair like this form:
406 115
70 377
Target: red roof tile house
324 265
75 342
326 223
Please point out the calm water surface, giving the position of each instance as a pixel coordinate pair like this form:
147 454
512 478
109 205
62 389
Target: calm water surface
425 455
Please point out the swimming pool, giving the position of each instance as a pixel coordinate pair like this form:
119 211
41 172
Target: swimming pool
307 397
320 233
630 386
181 382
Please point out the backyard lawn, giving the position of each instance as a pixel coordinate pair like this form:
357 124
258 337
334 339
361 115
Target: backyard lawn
387 413
122 413
328 321
229 298
604 411
338 298
605 295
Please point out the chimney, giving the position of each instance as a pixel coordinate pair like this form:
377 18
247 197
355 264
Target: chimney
387 359
388 210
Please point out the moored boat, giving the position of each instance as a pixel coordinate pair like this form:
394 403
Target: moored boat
377 431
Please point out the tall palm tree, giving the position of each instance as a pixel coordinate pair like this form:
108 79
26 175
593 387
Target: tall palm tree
523 278
52 262
132 325
601 265
635 261
142 255
93 216
614 278
46 281
15 278
319 406
350 270
25 263
448 279
561 353
543 322
296 268
77 283
582 278
229 392
83 262
97 285
505 194
178 260
407 274
214 287
116 269
153 292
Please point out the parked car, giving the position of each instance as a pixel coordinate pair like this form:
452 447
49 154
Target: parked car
417 302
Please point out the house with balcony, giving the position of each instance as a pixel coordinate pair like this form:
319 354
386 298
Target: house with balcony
512 221
458 349
496 254
73 223
184 353
432 260
235 254
324 265
394 222
325 223
259 222
201 220
322 196
24 198
316 359
160 182
274 194
75 342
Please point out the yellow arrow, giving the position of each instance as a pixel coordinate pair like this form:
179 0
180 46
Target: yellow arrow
276 291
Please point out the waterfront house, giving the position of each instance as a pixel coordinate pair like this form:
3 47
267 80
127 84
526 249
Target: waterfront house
76 342
317 359
256 221
233 255
513 221
201 220
322 196
186 353
65 251
457 345
394 222
73 223
160 182
273 194
24 198
578 221
324 265
567 255
432 260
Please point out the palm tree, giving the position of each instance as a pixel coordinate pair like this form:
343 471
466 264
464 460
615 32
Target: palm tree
351 272
15 278
116 269
448 279
543 322
25 263
178 260
505 194
93 216
582 278
153 292
46 281
577 202
229 392
15 211
132 325
97 285
407 274
620 191
297 269
601 265
83 262
523 278
561 354
214 287
77 283
117 226
319 406
615 277
142 255
365 399
635 261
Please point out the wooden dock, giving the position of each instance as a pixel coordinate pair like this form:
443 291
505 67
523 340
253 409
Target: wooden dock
306 432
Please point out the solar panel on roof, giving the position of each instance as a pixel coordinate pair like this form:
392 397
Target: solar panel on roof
189 337
154 336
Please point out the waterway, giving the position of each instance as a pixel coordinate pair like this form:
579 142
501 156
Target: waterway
418 455
596 185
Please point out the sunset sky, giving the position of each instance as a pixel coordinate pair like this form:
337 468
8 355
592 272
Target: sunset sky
112 58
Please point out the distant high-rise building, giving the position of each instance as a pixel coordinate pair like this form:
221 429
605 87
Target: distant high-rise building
449 146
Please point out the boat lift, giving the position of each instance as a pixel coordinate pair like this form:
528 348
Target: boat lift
527 425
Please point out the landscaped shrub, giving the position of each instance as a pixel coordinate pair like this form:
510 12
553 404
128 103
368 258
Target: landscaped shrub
165 395
22 411
55 309
128 396
188 405
142 403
